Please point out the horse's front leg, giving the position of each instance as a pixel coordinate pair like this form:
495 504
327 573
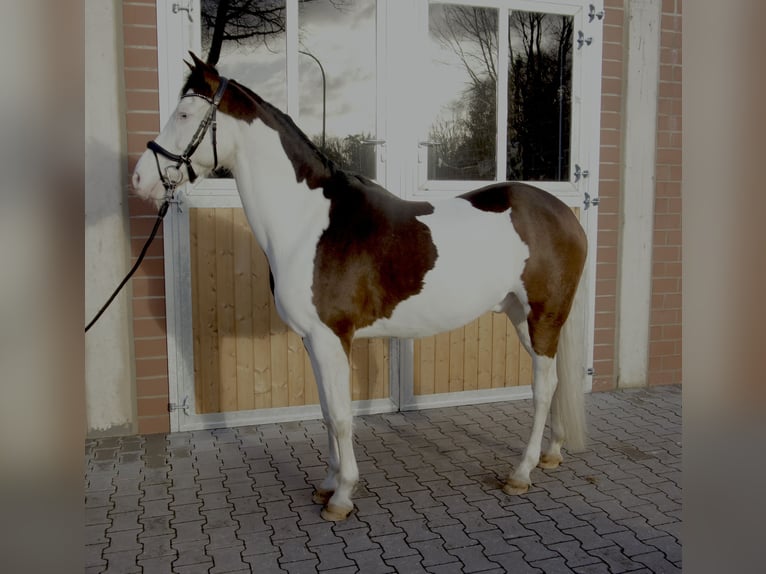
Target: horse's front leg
332 373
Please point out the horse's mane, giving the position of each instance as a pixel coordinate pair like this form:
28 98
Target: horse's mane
239 101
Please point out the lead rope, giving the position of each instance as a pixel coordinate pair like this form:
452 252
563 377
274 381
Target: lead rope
160 216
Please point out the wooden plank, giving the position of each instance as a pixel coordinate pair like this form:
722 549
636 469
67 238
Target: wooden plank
441 363
484 367
471 356
208 309
425 366
295 370
379 372
456 356
278 334
499 322
360 369
512 350
312 392
243 310
196 322
259 269
224 238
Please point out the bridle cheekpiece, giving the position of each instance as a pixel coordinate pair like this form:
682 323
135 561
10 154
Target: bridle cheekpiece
171 176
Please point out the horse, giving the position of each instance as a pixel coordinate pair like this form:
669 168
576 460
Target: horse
350 259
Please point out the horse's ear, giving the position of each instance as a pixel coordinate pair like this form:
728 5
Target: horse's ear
190 66
197 61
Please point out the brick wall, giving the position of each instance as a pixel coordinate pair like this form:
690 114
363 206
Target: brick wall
142 114
665 325
665 320
143 123
605 336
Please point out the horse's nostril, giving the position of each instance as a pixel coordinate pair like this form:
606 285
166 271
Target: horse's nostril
136 180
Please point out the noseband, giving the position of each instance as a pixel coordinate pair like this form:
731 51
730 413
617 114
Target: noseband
171 176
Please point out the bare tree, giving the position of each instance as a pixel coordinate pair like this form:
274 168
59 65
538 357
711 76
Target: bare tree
241 20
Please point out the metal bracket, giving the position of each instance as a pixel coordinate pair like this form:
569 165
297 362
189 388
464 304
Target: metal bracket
590 372
588 201
188 9
184 406
581 39
580 173
177 200
593 14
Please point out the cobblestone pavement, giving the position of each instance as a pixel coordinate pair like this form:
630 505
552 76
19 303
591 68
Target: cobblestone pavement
239 500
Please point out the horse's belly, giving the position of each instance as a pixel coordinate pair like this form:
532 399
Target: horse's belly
480 260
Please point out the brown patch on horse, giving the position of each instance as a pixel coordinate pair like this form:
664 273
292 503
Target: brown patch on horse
373 255
240 102
557 250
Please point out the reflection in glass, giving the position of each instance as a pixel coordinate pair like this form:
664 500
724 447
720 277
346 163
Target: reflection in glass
337 80
539 96
463 82
245 39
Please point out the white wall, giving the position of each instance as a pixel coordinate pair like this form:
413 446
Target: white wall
638 180
109 379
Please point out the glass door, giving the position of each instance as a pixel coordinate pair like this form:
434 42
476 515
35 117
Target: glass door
236 361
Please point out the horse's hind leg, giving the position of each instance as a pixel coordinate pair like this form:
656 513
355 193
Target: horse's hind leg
332 372
544 383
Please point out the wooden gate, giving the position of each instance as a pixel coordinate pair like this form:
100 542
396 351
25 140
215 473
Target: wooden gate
245 357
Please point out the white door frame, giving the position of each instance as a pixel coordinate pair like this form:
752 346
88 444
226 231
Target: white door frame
398 168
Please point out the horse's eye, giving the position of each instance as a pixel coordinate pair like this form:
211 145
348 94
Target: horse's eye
183 115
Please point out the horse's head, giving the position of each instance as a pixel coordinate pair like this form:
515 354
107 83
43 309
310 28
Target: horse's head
194 141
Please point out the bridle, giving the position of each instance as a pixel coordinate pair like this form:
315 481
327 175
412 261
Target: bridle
171 175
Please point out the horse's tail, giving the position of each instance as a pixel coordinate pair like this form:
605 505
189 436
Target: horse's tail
569 398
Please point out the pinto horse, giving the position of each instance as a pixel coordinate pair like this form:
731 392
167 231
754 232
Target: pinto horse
350 259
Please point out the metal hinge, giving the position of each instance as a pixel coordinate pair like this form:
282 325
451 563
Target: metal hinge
184 406
180 8
590 372
588 201
593 14
582 39
578 173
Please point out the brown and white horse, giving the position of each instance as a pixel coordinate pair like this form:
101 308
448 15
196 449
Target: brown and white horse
349 259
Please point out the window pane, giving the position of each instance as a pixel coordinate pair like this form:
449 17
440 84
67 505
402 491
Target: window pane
539 96
245 40
462 84
337 71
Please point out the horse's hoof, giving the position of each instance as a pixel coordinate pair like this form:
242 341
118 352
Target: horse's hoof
322 496
513 486
334 513
549 461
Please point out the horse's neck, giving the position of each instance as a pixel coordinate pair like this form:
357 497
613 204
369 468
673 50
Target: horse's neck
281 210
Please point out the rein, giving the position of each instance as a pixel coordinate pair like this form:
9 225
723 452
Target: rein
170 180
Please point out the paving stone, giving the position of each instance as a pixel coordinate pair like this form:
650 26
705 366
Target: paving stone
454 536
449 568
473 559
573 554
296 549
227 560
515 562
189 553
301 566
332 556
187 513
157 565
394 546
616 559
409 564
556 565
157 546
93 555
155 526
657 562
493 542
669 546
223 537
124 561
125 540
532 548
